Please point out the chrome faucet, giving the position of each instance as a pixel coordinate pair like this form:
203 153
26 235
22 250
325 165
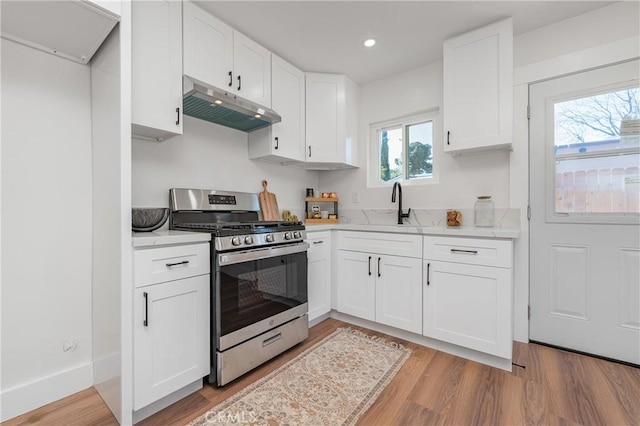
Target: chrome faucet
401 215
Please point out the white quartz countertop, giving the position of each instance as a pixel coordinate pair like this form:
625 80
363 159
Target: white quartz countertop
463 231
168 237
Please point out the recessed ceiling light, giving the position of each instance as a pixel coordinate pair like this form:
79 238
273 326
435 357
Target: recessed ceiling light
370 42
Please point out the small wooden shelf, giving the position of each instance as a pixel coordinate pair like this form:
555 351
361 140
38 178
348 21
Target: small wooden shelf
319 221
320 200
333 200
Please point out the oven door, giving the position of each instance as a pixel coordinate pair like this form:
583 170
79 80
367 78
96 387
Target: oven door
257 290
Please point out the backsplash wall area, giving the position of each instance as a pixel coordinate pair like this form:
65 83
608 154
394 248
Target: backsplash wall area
209 156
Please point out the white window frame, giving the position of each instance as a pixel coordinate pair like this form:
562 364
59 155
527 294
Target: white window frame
373 157
551 215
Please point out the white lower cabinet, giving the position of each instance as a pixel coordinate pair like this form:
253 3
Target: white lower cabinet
319 273
399 292
466 303
170 324
356 285
380 287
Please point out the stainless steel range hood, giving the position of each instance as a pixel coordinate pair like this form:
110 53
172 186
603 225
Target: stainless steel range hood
221 107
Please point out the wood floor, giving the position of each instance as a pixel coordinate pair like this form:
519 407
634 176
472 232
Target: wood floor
432 388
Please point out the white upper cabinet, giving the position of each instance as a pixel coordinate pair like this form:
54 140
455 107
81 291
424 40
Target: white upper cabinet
216 54
284 141
73 30
251 70
208 47
478 89
332 121
156 87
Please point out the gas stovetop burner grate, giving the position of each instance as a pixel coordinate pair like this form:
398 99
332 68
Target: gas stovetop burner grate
238 228
238 225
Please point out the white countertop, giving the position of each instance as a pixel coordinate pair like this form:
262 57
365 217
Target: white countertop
463 231
167 237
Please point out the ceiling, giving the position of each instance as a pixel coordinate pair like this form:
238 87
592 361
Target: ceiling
327 36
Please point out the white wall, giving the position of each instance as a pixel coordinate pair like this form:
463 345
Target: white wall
460 179
112 286
596 28
209 156
46 227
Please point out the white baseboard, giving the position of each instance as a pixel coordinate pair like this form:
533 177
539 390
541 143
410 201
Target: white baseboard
29 396
162 403
490 360
319 319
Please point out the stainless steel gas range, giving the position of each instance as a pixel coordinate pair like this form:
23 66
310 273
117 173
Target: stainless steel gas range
258 278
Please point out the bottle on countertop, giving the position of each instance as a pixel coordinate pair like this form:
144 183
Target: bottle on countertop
484 212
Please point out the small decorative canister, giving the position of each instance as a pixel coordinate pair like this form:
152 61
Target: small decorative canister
484 211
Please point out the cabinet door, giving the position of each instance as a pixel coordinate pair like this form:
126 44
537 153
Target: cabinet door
319 274
172 349
468 305
478 89
208 48
356 284
156 87
288 100
399 292
251 70
326 106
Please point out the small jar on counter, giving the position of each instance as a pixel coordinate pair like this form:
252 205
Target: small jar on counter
484 212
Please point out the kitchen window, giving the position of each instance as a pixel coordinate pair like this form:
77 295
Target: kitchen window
401 150
596 154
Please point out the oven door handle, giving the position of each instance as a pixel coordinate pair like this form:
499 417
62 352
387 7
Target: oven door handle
247 256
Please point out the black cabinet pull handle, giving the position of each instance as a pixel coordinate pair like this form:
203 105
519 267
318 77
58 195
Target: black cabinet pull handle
184 262
464 251
146 309
239 82
320 242
369 265
379 274
428 267
309 151
178 116
230 79
277 143
448 134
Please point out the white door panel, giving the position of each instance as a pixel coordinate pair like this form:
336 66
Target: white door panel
584 231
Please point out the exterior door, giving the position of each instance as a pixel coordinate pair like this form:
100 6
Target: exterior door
585 204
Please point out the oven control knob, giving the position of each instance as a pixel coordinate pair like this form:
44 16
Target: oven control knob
269 238
248 239
235 241
296 234
287 235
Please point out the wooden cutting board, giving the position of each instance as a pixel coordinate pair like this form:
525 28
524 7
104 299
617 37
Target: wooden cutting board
268 204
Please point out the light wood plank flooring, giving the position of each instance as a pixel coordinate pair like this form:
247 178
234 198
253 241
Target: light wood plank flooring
432 388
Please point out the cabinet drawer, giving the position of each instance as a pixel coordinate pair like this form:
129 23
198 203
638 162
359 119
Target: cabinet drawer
161 264
469 250
381 243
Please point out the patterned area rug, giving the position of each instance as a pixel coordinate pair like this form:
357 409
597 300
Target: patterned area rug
332 383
